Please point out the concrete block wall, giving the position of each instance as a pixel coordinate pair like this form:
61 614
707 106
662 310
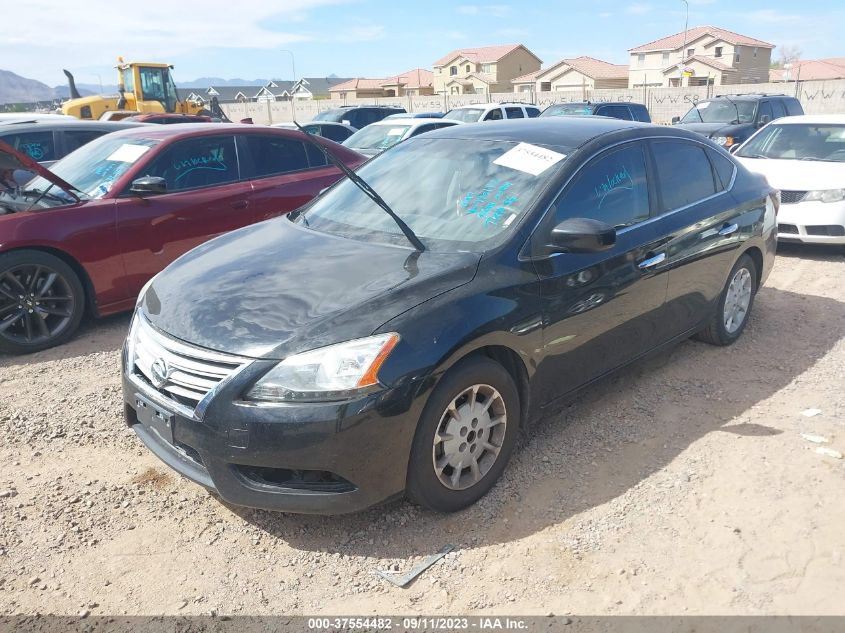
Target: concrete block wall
817 97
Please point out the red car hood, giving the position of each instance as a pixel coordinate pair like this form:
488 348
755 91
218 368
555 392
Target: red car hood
11 158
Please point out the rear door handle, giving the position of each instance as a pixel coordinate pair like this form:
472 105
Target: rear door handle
651 262
240 204
729 229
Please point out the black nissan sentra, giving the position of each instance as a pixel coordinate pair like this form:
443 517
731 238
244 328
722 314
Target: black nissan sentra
391 337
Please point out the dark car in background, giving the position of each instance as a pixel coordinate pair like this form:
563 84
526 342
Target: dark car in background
336 358
46 140
729 120
358 116
614 109
89 232
337 132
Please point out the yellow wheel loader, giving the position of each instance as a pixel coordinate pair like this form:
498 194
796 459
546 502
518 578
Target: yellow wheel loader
142 87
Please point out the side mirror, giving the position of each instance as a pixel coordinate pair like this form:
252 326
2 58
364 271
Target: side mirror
582 235
148 186
676 120
764 120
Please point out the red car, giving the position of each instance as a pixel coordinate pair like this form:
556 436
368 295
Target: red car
90 232
168 118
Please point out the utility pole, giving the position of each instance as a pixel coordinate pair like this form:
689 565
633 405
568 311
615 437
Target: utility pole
684 49
293 85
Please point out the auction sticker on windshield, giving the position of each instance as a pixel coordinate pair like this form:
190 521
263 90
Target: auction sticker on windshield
128 153
528 158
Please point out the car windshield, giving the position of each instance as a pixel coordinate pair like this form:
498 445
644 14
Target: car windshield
798 141
377 136
465 115
94 167
330 115
466 195
567 109
722 111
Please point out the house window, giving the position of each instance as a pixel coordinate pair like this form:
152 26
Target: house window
665 56
468 68
479 91
736 57
641 59
690 52
487 68
453 70
718 51
755 52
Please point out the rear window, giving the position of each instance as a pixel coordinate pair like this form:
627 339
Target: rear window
39 146
532 112
271 156
793 107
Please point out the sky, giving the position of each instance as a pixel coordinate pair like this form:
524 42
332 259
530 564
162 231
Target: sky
370 38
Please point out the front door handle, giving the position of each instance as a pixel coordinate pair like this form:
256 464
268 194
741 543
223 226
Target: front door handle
240 204
729 229
651 262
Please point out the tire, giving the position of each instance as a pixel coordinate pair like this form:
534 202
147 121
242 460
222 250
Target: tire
721 330
470 439
51 312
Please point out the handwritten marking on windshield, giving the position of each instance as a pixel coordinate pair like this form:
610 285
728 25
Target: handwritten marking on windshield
34 150
491 211
619 180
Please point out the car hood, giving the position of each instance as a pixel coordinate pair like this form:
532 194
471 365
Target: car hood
10 158
274 289
715 129
797 175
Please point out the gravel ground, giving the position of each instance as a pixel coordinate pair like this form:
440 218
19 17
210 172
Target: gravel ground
681 485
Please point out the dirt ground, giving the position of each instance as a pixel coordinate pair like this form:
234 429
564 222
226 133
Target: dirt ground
682 485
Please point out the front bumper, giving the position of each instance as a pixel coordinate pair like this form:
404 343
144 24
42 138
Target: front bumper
812 222
279 457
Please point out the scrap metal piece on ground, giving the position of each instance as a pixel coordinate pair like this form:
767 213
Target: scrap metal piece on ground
401 580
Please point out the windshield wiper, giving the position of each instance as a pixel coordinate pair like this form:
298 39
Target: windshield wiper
366 188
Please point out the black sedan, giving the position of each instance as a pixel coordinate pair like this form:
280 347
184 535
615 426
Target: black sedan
391 339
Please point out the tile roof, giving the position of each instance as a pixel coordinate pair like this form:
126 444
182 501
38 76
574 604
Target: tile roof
359 83
809 69
673 42
707 61
416 78
481 54
589 66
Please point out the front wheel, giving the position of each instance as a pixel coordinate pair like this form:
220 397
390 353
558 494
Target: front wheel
41 301
735 303
465 436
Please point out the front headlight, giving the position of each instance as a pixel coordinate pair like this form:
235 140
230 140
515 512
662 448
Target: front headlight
724 141
329 373
825 195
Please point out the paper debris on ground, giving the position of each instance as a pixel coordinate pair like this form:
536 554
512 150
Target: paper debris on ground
809 413
816 439
829 452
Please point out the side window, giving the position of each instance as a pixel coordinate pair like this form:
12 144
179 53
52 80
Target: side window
494 115
765 109
274 155
514 113
615 111
777 109
335 133
793 107
74 139
684 173
39 146
532 112
203 161
613 188
640 113
316 158
724 169
312 129
423 129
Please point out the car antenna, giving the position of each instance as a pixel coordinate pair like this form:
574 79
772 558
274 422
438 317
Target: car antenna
733 103
366 188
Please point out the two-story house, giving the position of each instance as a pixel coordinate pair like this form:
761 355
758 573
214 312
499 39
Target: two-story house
483 70
700 56
411 83
579 73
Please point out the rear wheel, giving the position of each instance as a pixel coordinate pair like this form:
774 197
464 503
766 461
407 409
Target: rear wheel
465 436
734 306
41 301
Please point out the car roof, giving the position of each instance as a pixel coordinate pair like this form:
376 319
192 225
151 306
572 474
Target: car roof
810 119
412 121
596 103
40 124
746 97
560 131
176 130
494 105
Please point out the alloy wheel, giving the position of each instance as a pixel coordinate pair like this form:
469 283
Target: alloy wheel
36 304
737 300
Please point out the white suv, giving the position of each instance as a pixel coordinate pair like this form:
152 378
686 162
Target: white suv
492 112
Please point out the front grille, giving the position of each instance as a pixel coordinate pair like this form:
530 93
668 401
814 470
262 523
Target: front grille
831 230
790 229
792 197
184 372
